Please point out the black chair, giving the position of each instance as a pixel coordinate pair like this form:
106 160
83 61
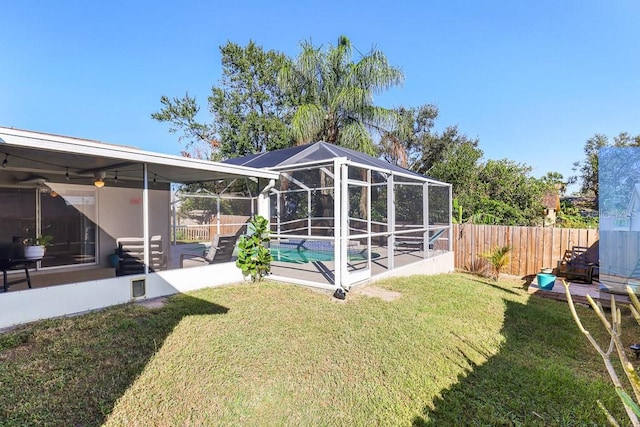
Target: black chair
131 254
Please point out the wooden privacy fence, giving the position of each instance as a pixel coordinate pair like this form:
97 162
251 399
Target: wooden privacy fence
229 224
531 247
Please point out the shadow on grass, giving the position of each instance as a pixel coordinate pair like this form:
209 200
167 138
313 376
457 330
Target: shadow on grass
531 381
496 287
71 371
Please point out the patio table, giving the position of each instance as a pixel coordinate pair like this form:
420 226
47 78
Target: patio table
13 264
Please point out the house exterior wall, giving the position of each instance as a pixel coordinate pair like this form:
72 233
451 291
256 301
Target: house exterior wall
20 307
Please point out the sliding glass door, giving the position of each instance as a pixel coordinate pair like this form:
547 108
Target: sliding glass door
66 216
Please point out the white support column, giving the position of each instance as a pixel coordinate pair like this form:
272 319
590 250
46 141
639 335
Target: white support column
308 212
369 219
391 222
344 224
278 213
263 198
425 218
217 216
145 216
337 247
175 217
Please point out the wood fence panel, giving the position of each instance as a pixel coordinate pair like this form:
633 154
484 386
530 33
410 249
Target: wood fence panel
532 247
516 259
547 247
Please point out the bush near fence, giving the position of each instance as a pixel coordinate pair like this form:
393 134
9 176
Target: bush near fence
532 248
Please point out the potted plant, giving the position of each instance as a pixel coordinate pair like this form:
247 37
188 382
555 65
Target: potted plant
35 247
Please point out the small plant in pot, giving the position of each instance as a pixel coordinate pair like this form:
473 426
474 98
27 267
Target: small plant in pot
35 247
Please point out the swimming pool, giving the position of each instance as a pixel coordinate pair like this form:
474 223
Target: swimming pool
299 253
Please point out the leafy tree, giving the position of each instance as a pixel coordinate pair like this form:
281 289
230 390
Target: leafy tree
570 216
405 143
181 114
506 190
249 109
588 168
451 157
334 95
555 180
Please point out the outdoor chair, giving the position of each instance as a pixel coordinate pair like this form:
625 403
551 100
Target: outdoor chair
583 264
131 255
221 250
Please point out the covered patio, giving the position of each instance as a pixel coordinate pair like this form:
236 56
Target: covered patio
89 197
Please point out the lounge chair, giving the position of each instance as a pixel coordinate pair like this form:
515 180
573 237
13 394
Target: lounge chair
221 250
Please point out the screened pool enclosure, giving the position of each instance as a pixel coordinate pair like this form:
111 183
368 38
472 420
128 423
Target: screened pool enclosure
339 216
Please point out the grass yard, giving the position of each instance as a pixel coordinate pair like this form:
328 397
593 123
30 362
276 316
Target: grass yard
452 350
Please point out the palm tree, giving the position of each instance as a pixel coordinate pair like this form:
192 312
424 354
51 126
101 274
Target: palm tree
499 258
334 95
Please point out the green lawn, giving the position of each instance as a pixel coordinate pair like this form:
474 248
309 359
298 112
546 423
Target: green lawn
452 350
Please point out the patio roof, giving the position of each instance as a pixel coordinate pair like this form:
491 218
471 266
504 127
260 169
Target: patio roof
52 156
316 152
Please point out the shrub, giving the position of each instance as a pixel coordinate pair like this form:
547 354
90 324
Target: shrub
254 258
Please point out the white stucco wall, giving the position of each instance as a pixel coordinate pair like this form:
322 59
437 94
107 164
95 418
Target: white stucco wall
20 307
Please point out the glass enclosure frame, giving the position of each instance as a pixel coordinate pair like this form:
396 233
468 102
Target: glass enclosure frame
404 228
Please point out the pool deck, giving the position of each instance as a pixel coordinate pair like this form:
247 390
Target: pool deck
322 272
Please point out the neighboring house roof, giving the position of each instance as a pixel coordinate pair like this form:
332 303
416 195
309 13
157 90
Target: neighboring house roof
316 152
52 155
551 200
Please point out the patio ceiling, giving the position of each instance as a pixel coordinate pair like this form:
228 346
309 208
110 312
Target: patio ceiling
33 154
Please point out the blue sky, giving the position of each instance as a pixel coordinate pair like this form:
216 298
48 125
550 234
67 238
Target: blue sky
531 79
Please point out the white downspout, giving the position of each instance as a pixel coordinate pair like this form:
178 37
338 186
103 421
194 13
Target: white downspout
145 217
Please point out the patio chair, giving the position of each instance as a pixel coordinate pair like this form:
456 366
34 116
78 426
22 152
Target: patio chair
131 255
582 264
221 250
158 257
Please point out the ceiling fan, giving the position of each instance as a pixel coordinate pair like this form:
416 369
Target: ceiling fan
34 179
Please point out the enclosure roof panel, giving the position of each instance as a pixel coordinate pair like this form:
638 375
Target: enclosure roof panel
54 155
316 152
268 159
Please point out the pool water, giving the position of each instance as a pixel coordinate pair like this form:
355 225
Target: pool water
302 256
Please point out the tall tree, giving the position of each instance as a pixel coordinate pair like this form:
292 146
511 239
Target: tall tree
555 180
411 132
334 94
507 191
459 165
249 109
